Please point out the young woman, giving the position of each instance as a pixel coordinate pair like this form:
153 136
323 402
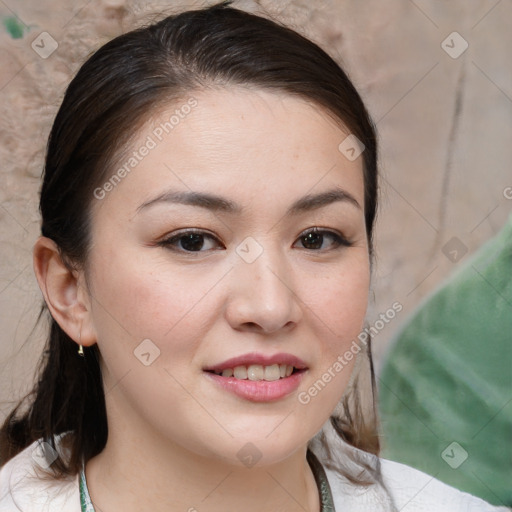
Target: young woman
207 207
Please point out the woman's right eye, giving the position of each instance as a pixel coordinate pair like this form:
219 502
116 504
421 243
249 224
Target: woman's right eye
190 241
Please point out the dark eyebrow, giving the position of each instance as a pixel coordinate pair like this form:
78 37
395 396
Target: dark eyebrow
217 203
315 201
209 201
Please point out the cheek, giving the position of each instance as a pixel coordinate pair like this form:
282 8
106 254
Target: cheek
339 302
149 301
337 312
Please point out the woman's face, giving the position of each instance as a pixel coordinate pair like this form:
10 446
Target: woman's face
236 242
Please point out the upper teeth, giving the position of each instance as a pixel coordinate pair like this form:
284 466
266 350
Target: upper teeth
258 372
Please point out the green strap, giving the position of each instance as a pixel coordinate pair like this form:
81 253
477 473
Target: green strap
85 499
327 503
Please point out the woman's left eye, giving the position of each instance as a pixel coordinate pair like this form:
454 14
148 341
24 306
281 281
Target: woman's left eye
318 239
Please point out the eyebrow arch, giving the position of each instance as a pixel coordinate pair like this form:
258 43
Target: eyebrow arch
316 201
209 201
216 203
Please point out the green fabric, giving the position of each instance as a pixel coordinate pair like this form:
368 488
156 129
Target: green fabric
448 379
85 499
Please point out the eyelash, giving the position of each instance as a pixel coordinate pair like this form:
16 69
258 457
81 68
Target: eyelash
171 242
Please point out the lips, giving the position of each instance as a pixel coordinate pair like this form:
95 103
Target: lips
258 377
257 367
254 358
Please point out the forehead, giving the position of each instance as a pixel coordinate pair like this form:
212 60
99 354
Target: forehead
251 119
235 140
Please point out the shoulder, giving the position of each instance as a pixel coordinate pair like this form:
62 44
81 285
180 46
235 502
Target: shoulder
407 490
22 486
414 490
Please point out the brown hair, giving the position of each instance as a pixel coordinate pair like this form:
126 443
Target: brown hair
113 93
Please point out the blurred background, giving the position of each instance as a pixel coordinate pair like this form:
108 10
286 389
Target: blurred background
437 79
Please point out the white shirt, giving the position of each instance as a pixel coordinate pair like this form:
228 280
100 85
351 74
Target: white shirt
412 491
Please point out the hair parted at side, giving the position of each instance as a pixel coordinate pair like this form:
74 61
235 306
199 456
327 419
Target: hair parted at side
116 91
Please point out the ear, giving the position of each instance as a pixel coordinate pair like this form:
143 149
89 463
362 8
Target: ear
64 291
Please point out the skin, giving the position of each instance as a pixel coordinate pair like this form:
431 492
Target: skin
174 435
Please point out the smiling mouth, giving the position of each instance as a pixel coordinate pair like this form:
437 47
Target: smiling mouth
258 372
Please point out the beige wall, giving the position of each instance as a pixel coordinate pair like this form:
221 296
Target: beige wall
444 123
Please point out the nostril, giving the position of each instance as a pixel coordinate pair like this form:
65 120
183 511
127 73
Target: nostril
251 325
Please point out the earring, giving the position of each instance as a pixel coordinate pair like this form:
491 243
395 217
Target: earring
80 347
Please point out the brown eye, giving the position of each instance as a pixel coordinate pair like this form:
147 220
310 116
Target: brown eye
191 241
317 239
313 240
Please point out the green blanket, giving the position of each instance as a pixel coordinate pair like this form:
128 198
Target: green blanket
446 386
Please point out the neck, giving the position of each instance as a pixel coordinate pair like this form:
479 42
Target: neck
125 479
148 472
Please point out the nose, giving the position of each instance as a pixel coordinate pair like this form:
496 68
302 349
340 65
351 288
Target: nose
262 297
